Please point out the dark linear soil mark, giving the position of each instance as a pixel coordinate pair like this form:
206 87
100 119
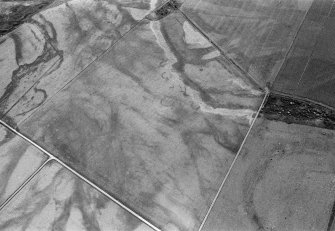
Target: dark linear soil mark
290 110
23 72
18 15
331 219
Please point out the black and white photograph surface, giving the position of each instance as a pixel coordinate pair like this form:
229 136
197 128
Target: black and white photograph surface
167 115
